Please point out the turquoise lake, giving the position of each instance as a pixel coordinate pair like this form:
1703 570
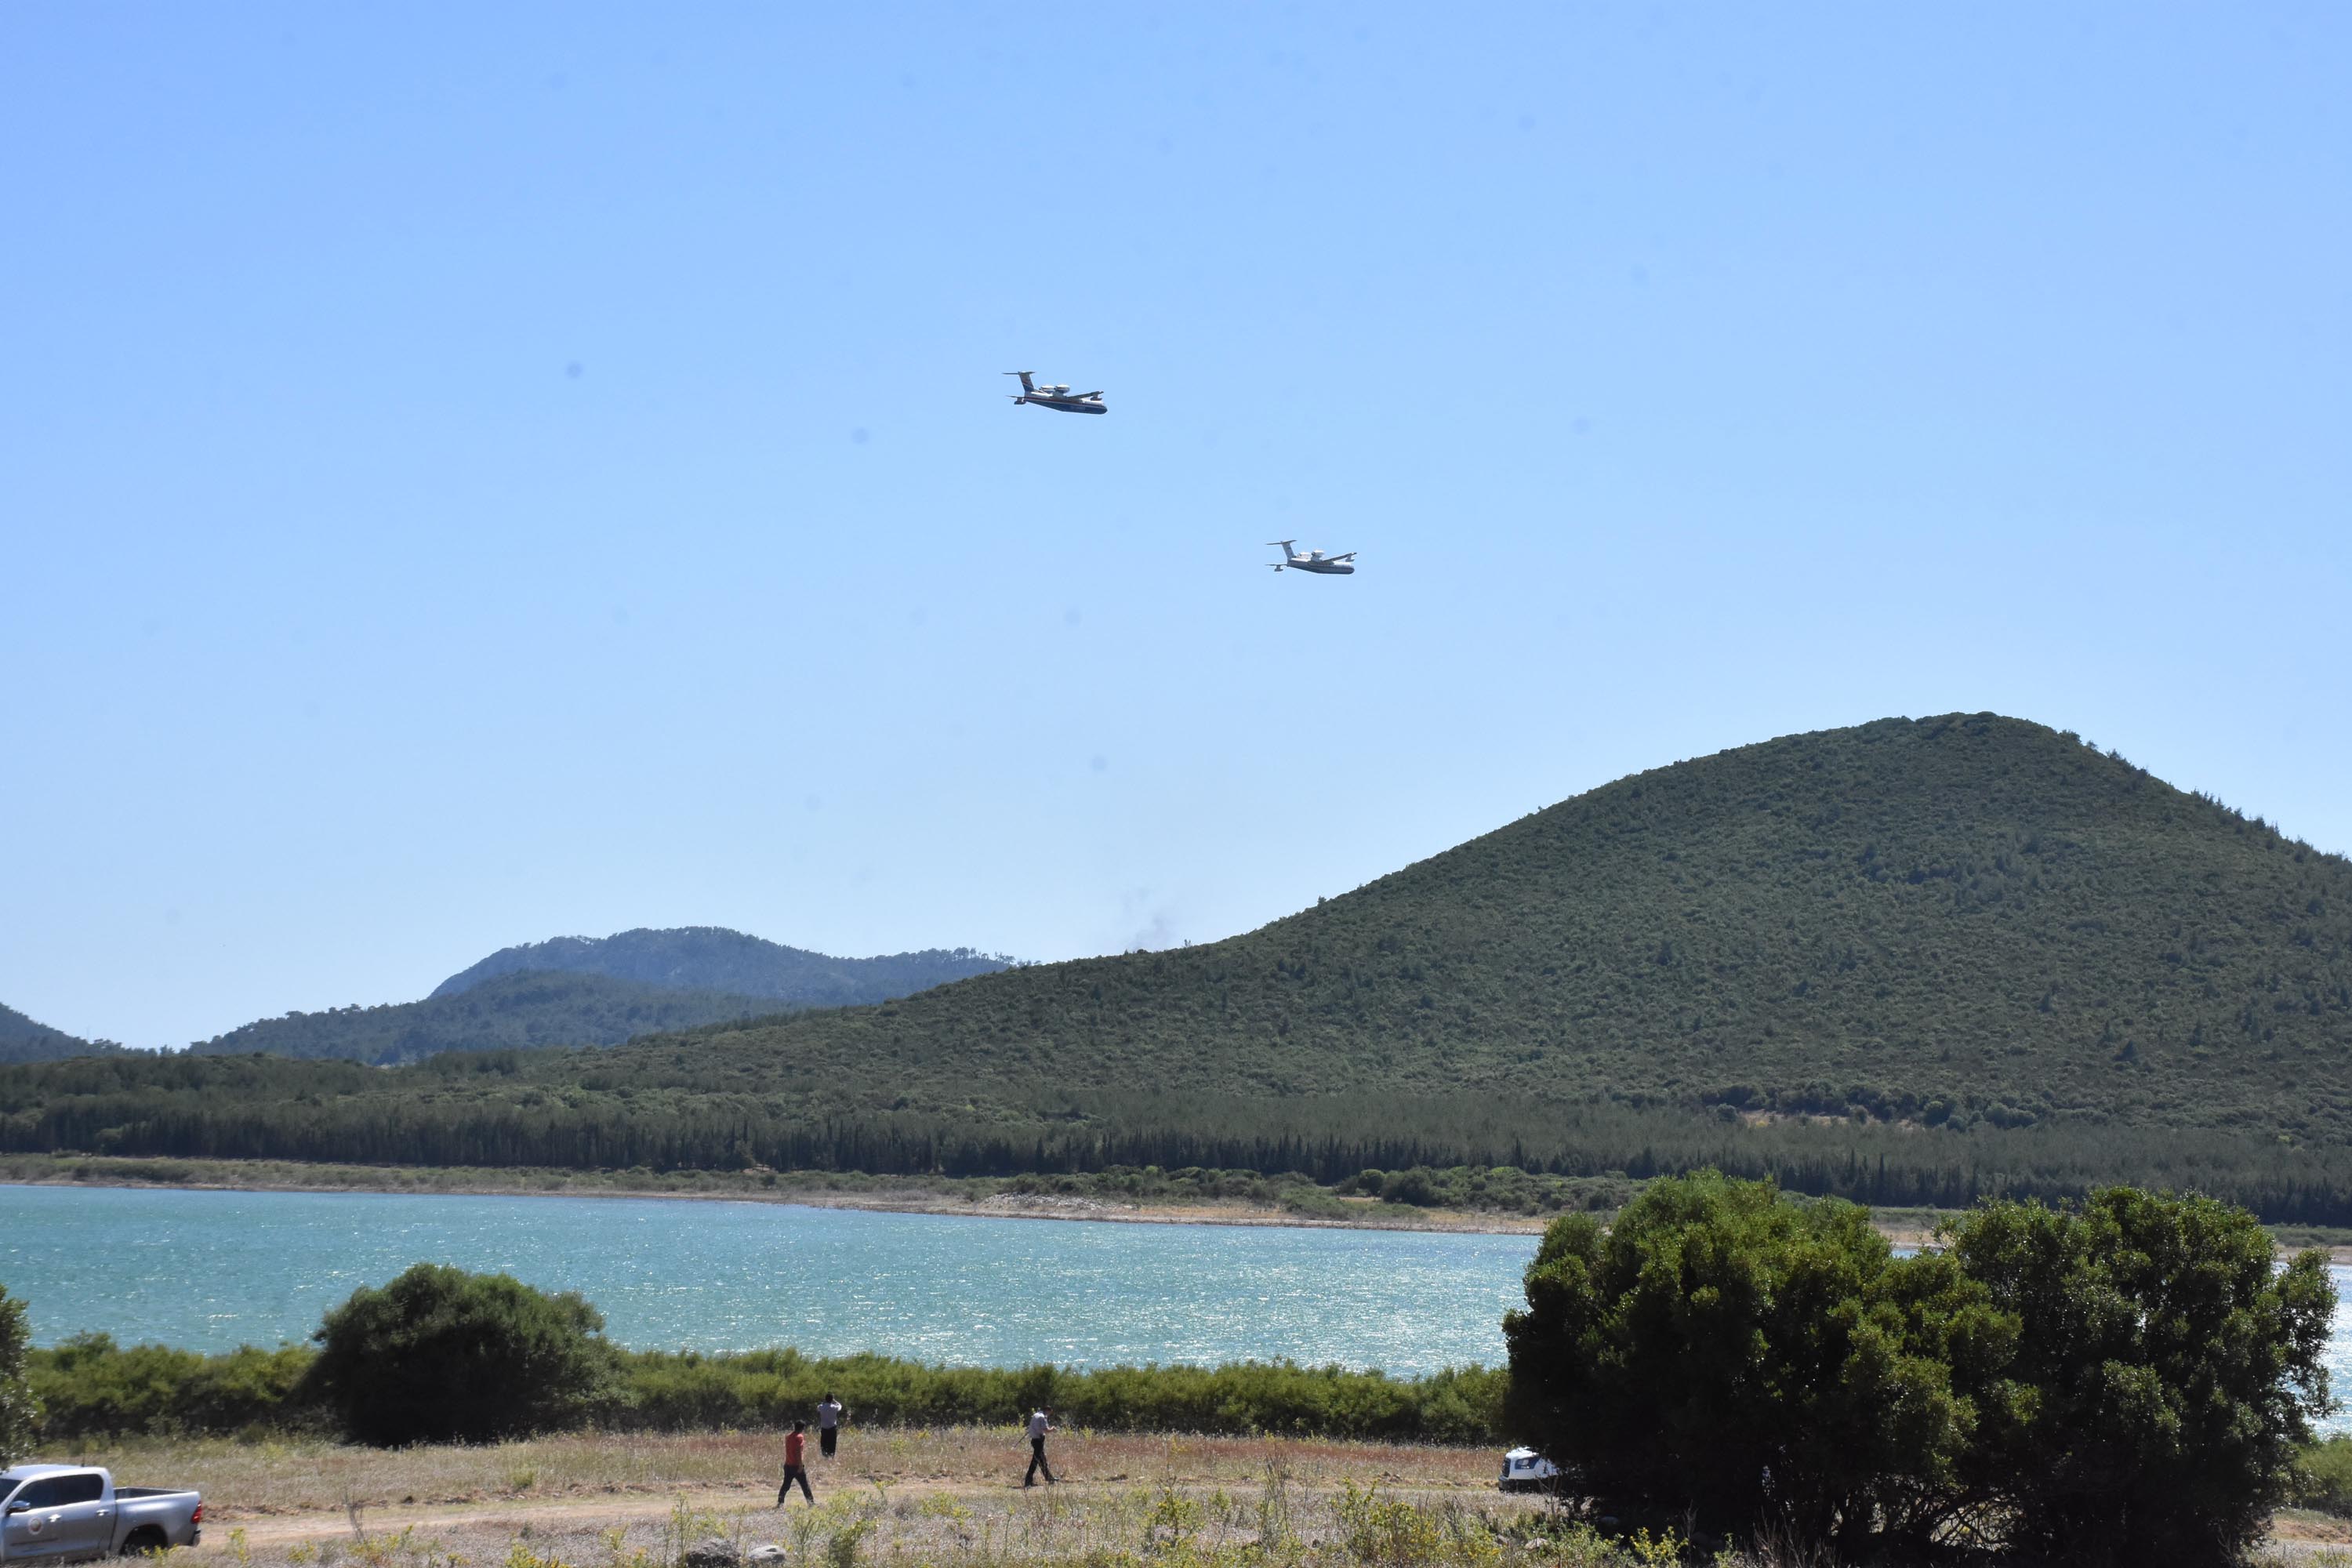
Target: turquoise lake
213 1270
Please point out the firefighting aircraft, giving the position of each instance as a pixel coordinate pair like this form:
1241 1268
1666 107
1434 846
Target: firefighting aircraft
1051 396
1313 560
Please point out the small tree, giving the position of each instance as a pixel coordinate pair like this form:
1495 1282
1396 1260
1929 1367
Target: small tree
440 1355
20 1414
2172 1372
1762 1363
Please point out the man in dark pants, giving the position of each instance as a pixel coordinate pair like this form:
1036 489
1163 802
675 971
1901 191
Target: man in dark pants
829 1412
795 1466
1041 1422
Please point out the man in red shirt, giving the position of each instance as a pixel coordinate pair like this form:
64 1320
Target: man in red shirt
794 1469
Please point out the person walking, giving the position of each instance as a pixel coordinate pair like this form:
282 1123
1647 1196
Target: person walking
1041 1421
795 1466
829 1412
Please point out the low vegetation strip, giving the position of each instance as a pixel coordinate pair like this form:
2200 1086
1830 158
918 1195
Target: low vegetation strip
90 1388
1407 1197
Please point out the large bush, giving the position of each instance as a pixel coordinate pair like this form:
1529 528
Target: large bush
19 1411
1757 1361
2170 1372
440 1355
2125 1381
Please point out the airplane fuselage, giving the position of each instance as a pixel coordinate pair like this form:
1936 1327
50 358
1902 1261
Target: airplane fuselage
1066 405
1334 568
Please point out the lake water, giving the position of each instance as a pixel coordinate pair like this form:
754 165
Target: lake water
213 1270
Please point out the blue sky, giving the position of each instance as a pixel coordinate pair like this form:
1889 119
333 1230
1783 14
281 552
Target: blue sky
474 474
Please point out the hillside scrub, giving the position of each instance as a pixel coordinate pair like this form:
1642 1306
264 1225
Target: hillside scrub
2125 1380
1909 963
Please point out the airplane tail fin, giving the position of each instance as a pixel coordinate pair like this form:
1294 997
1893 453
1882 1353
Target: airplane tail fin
1026 385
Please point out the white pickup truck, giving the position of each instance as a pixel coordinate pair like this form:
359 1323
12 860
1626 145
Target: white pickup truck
59 1513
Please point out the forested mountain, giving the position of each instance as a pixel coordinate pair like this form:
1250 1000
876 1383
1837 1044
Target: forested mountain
525 1009
1908 961
584 991
711 958
24 1040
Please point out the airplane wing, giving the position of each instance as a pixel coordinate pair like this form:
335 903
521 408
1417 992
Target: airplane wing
1097 393
1349 556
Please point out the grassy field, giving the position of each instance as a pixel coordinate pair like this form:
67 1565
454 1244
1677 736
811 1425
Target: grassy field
947 1496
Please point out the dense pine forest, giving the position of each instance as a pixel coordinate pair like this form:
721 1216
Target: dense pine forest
1912 962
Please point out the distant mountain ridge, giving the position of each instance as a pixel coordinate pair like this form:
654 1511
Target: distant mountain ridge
595 991
516 1011
22 1039
713 958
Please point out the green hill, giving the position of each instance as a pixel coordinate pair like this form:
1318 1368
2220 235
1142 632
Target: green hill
514 1010
1941 921
1908 961
24 1040
711 958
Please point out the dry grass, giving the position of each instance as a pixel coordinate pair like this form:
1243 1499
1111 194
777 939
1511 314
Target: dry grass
245 1481
948 1496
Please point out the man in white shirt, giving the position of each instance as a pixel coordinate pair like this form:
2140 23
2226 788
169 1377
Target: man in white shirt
829 1412
1041 1421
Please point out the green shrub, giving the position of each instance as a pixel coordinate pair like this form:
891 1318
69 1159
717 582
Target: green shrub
440 1355
19 1411
2322 1477
671 1391
89 1387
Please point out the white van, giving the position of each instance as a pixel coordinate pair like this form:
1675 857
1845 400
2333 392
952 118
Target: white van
1524 1470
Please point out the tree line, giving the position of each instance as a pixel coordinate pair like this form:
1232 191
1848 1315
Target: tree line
543 1109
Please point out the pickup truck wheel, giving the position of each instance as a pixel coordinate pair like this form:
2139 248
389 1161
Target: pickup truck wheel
146 1538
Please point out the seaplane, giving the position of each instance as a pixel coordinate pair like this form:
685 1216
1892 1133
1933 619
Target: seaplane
1051 397
1313 560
